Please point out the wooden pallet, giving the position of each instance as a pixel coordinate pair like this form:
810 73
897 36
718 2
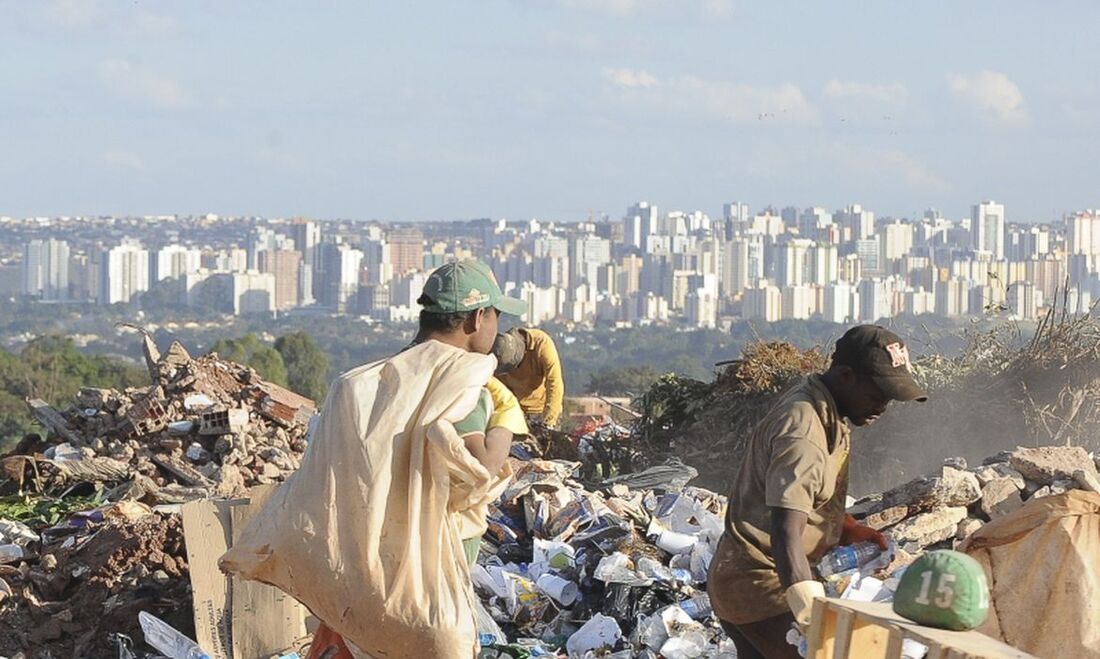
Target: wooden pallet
845 629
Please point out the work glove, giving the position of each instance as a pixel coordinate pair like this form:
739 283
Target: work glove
853 532
800 597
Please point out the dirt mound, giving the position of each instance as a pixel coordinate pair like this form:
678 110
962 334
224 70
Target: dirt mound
83 591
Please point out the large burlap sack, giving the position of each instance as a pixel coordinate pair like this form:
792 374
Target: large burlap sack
1043 565
364 533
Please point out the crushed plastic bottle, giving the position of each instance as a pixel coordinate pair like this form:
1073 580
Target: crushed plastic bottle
166 639
698 607
844 559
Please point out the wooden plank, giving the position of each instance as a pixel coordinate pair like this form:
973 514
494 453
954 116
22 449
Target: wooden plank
893 646
828 634
817 630
265 619
935 651
969 643
842 642
868 639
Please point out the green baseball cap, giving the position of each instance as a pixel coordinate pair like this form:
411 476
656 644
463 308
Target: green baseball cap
465 286
945 589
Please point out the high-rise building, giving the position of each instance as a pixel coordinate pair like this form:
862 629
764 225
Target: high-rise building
763 303
589 253
858 224
46 269
897 241
870 257
342 266
1083 232
874 300
736 217
841 303
123 272
406 251
252 292
175 261
641 220
285 266
987 228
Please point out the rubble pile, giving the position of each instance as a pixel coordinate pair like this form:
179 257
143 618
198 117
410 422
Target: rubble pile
943 510
80 584
204 427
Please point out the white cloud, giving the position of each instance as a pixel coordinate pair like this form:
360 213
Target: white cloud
93 17
885 164
630 78
139 84
993 96
783 103
894 94
123 160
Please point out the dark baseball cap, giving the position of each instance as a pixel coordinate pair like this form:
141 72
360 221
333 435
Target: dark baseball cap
881 355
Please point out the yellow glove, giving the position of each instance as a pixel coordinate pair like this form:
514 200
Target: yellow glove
800 597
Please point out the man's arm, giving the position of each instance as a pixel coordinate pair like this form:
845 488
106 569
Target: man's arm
555 384
790 560
490 449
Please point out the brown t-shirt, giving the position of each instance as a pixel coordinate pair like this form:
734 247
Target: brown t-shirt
796 458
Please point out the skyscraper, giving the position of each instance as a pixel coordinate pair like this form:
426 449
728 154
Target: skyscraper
284 265
46 269
987 228
123 272
406 251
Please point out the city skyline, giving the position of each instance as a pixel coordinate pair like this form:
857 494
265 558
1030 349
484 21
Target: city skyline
546 108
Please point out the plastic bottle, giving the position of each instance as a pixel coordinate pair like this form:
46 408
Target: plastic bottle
847 558
10 553
166 639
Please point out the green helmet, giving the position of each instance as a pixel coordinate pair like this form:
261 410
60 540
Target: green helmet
945 589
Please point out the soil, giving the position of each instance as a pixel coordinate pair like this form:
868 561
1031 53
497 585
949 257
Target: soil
73 601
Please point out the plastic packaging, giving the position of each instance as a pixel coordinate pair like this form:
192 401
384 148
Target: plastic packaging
845 558
697 607
563 591
10 553
599 632
166 639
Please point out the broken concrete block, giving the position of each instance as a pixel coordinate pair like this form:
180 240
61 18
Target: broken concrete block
953 487
929 528
967 527
1003 456
1000 497
1087 481
1046 464
886 518
955 462
998 471
1043 491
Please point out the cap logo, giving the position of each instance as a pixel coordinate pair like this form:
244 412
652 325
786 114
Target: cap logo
899 354
474 297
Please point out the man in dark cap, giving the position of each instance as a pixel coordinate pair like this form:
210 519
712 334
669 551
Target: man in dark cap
786 506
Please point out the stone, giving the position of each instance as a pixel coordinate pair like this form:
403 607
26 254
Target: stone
1043 491
967 527
886 518
229 481
999 471
929 528
955 462
953 487
1063 485
1031 487
1003 456
1087 481
1000 497
1046 464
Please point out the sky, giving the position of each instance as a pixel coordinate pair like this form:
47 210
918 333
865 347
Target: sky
550 109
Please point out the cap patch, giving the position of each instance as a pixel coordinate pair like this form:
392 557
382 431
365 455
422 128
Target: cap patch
474 297
899 354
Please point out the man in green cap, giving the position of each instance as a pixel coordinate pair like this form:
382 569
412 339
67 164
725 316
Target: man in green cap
462 303
786 506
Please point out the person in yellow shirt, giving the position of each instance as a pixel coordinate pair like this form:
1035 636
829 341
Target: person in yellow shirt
529 366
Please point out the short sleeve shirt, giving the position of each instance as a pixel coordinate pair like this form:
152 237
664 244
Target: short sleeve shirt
796 458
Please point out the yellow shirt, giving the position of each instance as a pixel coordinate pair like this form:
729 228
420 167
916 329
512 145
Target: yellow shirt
537 381
796 458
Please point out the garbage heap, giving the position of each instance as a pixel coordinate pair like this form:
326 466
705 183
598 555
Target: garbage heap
89 527
204 427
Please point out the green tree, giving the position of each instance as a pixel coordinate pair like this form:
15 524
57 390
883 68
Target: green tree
306 364
250 351
628 381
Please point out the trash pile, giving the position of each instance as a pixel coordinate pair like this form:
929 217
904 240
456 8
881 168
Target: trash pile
89 527
619 568
204 427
